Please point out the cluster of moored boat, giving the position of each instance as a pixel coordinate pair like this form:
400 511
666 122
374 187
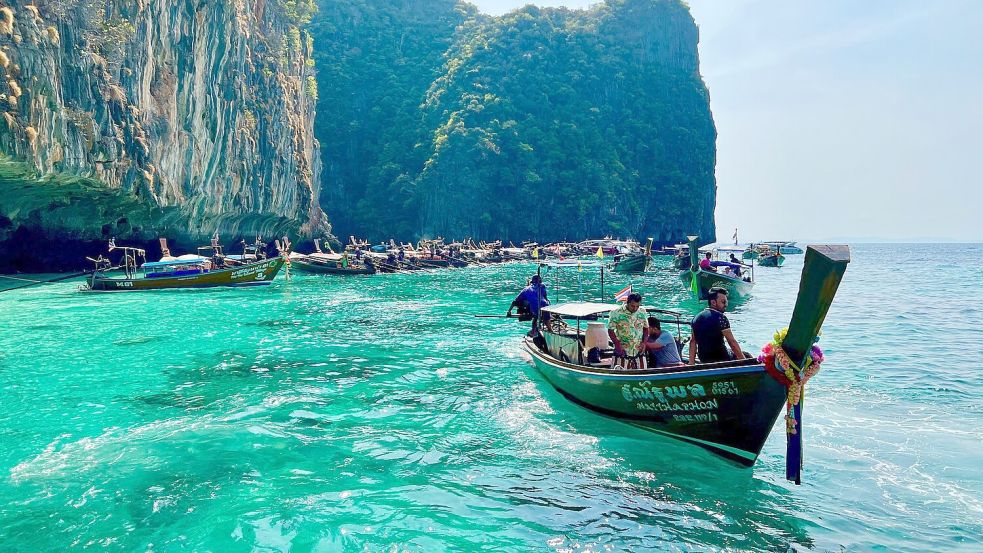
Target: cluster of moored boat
211 266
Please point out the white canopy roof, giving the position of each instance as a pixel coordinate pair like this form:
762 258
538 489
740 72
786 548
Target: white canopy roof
581 309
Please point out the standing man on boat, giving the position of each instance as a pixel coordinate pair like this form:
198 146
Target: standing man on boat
529 301
710 329
628 328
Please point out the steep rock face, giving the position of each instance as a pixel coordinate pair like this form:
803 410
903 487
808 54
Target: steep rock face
543 124
560 125
201 110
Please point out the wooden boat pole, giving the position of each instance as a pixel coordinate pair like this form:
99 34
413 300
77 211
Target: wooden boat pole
821 275
37 282
694 254
602 283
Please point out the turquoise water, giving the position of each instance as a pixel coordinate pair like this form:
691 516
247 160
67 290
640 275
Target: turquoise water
375 413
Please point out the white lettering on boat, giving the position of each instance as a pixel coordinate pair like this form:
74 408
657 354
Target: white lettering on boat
698 417
708 405
726 388
246 271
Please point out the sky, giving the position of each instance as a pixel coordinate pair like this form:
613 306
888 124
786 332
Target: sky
838 119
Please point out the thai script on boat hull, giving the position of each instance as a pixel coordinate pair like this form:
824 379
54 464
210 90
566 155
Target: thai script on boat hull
260 271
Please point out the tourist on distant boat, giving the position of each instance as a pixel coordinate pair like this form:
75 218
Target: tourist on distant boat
710 329
402 254
529 301
628 328
661 346
705 263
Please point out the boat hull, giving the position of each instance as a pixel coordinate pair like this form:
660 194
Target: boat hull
772 261
631 264
727 408
737 289
750 254
327 269
260 273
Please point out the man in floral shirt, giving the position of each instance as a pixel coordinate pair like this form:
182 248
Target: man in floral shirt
628 328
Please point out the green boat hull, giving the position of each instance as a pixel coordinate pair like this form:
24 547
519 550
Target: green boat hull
631 264
772 261
737 289
728 408
260 273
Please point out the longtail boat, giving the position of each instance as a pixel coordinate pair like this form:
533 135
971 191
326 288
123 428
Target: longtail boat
330 263
186 271
730 276
313 265
728 408
633 263
771 259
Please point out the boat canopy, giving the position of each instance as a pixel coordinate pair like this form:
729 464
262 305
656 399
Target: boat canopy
580 309
725 264
188 259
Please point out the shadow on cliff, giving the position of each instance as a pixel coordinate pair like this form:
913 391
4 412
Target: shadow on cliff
52 224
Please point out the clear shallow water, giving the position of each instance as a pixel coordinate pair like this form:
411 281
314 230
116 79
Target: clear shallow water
376 413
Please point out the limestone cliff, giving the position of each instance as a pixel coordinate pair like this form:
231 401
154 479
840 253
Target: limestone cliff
545 124
194 116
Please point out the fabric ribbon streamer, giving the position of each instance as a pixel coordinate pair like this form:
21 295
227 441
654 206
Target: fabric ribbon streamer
789 374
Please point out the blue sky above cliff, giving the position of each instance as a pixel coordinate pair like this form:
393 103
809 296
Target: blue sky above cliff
842 119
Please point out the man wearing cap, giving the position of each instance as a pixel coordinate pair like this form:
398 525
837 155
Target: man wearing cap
529 301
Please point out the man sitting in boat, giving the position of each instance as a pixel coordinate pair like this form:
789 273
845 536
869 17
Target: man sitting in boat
736 265
705 264
628 328
661 346
710 328
529 301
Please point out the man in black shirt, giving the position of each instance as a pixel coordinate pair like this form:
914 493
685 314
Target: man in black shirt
710 329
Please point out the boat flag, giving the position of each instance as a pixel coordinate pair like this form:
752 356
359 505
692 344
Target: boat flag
600 252
623 294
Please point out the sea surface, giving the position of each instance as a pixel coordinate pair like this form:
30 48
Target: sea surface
377 413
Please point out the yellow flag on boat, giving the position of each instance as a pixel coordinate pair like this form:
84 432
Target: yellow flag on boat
600 252
535 253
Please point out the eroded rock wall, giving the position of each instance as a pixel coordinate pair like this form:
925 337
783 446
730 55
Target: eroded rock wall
202 108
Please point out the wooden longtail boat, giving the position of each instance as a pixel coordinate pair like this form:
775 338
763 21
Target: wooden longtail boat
308 265
634 263
728 408
772 259
158 276
681 261
699 281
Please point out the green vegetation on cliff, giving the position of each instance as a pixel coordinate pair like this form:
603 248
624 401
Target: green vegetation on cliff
545 123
